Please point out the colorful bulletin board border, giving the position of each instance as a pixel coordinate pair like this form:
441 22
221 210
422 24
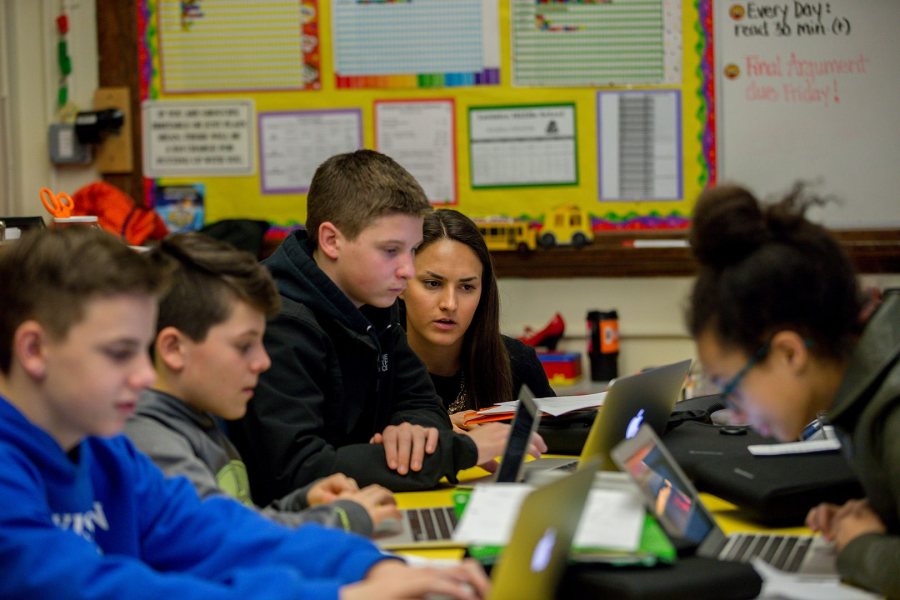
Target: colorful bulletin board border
245 197
422 146
706 92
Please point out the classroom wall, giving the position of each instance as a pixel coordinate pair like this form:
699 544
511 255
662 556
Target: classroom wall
28 91
651 322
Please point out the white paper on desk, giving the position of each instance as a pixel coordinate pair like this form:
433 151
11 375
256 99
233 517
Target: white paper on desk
778 584
555 406
491 513
561 405
501 408
612 519
806 447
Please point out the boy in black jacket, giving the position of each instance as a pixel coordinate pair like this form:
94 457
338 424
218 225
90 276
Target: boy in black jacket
345 392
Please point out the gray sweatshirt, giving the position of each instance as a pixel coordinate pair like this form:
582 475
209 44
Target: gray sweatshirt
187 442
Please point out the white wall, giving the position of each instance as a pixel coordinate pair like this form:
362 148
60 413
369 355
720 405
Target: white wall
651 326
651 321
28 92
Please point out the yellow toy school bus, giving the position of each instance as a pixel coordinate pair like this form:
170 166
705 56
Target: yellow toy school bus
507 234
566 225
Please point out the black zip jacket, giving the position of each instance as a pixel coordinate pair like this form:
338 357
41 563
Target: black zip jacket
339 375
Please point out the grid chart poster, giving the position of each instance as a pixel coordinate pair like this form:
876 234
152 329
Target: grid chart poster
420 135
415 44
595 42
293 144
232 45
639 135
523 145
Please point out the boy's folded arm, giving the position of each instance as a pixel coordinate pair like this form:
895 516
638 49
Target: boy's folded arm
342 514
75 570
167 542
366 463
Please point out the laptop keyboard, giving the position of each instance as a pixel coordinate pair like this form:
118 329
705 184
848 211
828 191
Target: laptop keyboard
785 552
432 524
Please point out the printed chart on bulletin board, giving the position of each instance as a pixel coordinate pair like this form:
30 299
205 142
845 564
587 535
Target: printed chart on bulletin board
505 110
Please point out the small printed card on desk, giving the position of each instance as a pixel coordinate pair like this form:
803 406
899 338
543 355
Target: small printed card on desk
805 447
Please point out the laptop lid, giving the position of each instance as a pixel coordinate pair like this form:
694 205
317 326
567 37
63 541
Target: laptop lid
666 490
534 559
647 397
524 424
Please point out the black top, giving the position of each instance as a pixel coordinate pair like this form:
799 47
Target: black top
526 369
339 375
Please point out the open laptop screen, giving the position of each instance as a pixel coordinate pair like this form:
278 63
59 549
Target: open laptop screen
524 425
668 494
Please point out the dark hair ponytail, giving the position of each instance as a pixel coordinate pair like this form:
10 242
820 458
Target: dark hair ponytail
766 268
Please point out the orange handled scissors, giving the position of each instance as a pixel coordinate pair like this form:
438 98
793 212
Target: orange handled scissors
59 205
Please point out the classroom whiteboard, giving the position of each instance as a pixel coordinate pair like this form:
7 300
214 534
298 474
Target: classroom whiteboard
811 90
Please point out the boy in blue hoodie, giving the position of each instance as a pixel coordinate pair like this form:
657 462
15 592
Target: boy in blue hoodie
85 515
208 354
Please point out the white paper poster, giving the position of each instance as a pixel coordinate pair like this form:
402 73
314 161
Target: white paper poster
202 138
420 135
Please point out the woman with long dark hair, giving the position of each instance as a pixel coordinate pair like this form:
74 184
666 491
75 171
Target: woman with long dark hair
453 321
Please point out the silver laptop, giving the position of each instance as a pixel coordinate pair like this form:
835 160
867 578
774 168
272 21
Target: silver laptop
670 496
534 559
647 397
433 526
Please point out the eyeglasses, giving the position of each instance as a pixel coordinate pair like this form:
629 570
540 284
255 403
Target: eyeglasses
735 381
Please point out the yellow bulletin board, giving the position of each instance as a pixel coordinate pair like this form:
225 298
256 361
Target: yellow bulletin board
319 88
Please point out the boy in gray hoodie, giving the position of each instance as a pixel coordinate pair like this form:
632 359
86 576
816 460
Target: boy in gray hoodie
208 355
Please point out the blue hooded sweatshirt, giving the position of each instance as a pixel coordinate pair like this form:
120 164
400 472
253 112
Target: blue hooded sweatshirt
103 522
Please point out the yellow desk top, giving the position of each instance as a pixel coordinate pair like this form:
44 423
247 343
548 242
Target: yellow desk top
726 514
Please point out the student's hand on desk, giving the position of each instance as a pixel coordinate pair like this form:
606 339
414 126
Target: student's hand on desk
330 488
395 579
406 445
842 524
491 438
378 501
